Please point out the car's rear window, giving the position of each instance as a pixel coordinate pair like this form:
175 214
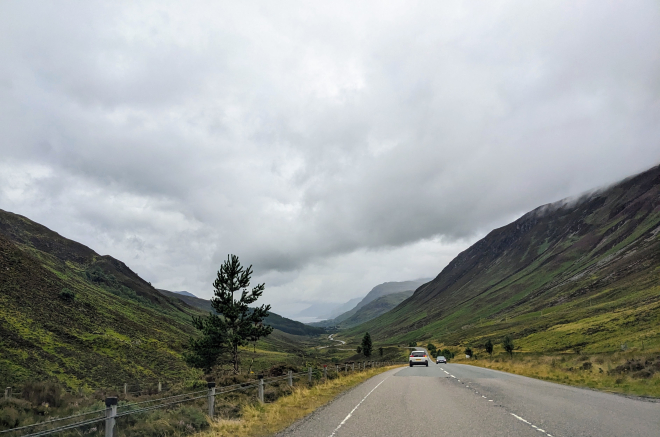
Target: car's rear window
418 354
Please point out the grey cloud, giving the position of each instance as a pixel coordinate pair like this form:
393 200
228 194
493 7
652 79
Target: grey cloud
299 135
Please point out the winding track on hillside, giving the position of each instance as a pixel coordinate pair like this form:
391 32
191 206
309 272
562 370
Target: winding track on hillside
455 398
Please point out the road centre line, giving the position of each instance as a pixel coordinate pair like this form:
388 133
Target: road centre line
514 415
356 407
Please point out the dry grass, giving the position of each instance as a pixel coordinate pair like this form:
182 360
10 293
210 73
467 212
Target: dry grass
598 371
261 420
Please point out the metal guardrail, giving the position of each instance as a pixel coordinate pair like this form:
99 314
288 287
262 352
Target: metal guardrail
110 414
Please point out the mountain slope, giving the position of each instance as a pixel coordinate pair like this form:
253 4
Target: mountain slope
96 336
378 291
71 315
570 275
375 308
341 309
275 320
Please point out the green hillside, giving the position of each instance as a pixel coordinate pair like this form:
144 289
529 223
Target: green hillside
275 320
574 275
377 292
375 308
70 315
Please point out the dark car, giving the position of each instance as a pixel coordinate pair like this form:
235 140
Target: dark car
441 359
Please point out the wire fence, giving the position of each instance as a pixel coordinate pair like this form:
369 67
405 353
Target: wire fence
114 411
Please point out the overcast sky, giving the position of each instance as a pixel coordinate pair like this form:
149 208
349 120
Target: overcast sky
333 145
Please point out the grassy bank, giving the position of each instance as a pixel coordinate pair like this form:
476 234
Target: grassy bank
631 373
261 420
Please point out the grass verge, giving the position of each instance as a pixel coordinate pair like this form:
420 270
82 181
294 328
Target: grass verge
270 418
632 373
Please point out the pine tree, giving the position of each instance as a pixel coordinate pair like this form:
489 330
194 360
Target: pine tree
367 346
206 351
235 323
489 347
508 345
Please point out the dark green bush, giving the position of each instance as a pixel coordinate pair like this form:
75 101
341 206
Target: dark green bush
39 393
67 295
8 417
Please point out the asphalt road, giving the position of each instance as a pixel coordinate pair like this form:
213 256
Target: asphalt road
472 401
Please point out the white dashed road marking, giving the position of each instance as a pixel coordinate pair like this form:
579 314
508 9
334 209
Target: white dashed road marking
533 426
514 415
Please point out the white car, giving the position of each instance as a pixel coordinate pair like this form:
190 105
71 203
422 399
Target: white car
419 357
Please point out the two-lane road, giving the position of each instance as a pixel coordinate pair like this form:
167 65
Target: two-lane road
455 398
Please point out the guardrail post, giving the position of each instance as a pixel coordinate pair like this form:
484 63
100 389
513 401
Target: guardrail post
261 388
290 378
325 372
211 398
110 414
80 391
353 367
160 387
125 389
337 369
309 372
7 392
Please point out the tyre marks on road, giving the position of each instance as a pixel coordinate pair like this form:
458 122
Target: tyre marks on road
514 415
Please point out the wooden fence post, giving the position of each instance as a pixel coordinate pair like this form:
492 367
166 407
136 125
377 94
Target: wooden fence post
261 388
110 414
211 398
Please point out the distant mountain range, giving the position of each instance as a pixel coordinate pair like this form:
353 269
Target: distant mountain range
326 310
579 274
379 300
276 321
185 293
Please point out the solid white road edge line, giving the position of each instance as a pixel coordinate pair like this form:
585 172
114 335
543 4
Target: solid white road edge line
356 407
